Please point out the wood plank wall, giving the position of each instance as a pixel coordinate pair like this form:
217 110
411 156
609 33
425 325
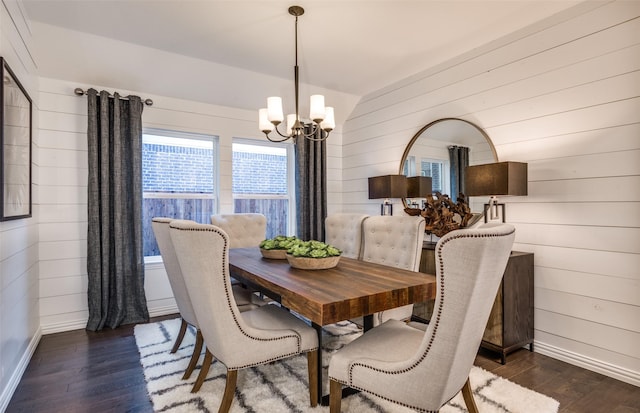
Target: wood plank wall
19 322
563 96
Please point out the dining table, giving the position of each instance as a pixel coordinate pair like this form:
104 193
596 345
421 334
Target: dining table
350 290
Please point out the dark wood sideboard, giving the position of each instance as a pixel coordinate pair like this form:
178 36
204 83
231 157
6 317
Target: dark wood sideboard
510 324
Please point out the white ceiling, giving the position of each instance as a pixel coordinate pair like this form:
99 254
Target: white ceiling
351 46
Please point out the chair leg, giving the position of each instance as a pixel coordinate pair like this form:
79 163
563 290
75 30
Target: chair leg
197 349
467 394
335 396
183 329
312 368
204 370
229 391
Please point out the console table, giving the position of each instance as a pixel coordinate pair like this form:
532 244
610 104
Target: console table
510 324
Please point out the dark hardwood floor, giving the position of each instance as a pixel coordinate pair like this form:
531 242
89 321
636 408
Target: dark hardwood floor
81 371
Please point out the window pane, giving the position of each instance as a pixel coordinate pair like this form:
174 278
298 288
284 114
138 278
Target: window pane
259 169
177 165
178 173
434 170
261 181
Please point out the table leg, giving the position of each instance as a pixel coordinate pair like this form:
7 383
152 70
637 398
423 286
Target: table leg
347 391
367 322
318 329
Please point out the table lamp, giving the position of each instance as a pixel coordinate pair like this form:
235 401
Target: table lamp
419 187
493 179
387 186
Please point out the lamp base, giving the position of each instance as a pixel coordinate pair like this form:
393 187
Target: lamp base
492 209
386 208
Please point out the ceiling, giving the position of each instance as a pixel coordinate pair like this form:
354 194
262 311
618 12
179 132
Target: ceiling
351 46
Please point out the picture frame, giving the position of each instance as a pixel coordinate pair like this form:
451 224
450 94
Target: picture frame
15 147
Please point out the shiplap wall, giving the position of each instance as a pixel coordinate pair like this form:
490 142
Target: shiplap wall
63 191
19 322
563 96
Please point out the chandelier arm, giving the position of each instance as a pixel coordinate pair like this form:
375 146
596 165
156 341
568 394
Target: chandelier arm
276 140
314 129
310 136
317 139
284 137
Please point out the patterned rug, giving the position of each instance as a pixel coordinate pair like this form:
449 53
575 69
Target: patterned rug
282 386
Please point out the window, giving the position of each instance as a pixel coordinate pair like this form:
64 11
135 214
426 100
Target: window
434 168
263 183
178 179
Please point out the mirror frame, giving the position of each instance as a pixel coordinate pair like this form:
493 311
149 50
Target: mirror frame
427 126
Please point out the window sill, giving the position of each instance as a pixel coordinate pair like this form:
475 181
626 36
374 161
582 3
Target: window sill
154 262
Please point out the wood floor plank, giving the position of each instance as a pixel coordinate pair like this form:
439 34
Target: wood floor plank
598 395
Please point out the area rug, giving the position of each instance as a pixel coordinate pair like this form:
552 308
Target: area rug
282 386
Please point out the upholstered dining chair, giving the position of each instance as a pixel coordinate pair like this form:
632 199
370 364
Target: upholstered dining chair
244 229
344 231
238 340
395 241
244 298
424 370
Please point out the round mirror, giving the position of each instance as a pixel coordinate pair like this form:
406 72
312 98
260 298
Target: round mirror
437 147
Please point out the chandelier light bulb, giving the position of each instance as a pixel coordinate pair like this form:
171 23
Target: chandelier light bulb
274 107
291 120
263 121
316 104
329 122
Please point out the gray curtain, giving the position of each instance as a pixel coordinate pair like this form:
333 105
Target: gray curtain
311 187
115 262
459 158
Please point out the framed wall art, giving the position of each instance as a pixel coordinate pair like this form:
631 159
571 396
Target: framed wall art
15 147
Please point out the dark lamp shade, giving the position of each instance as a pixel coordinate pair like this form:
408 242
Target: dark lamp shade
418 187
500 178
387 186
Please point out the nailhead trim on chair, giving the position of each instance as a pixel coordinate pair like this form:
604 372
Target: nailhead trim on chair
435 328
225 266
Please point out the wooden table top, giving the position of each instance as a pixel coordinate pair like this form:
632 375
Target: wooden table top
352 289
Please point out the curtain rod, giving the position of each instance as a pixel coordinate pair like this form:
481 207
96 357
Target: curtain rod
78 91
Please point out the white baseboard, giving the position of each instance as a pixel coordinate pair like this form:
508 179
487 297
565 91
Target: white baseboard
81 324
64 326
160 311
610 370
15 378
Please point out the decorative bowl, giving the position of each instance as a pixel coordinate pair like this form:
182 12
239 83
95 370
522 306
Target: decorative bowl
274 254
308 263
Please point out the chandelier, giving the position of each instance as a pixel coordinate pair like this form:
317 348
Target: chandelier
272 116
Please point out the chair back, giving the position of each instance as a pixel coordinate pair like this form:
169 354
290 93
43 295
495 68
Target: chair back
244 229
344 231
395 241
160 227
203 254
469 267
